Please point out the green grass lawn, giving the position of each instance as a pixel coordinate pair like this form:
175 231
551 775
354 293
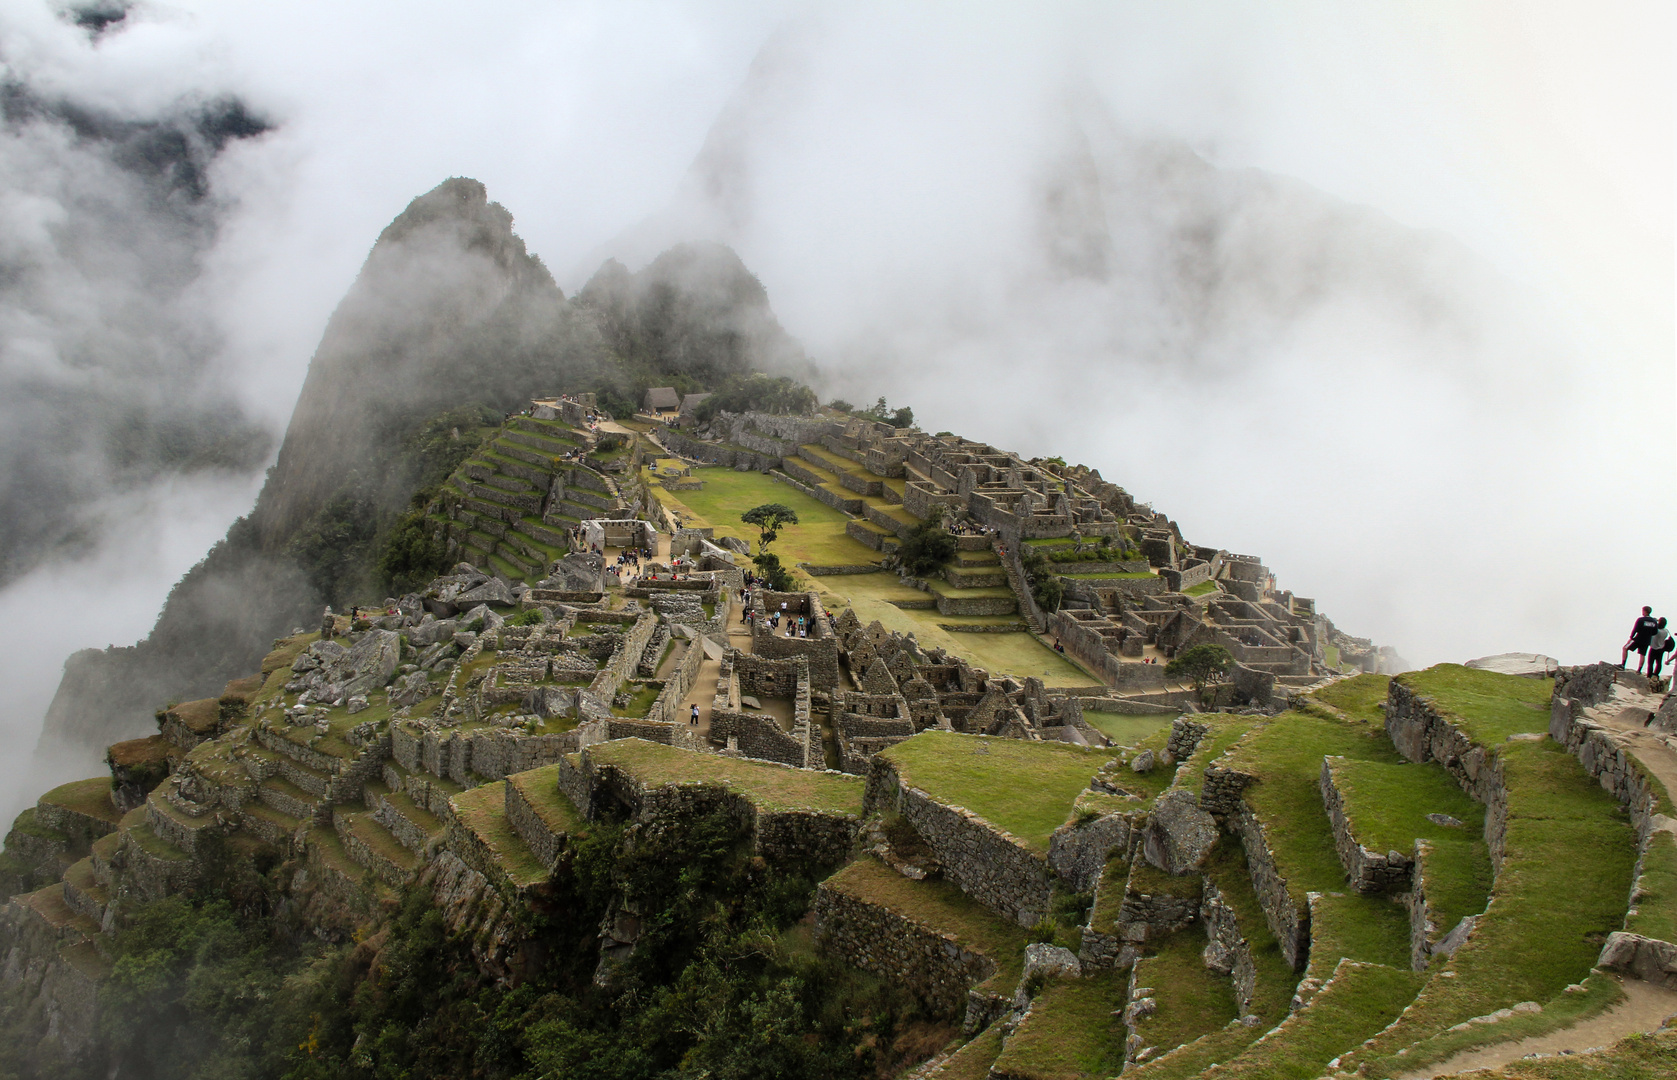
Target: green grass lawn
1201 589
1286 756
1656 904
1000 654
1224 733
1193 1000
1074 1030
1027 788
942 907
1357 1002
1358 697
1567 904
1489 705
818 538
1388 805
769 787
483 810
1272 989
1124 729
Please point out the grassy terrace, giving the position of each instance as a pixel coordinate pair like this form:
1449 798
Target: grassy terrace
941 907
1193 1000
973 1061
1273 990
1125 575
1655 914
818 538
540 788
1224 733
1489 707
1569 905
769 787
1126 730
1201 589
1027 788
872 596
483 810
1358 1001
1074 1030
1388 807
1366 929
91 797
1286 756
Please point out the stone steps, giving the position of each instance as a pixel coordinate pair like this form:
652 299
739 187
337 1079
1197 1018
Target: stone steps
52 914
313 781
272 825
542 815
371 846
178 827
282 795
534 442
414 827
83 893
481 835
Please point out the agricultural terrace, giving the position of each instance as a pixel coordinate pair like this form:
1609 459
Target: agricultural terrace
818 538
769 787
1027 788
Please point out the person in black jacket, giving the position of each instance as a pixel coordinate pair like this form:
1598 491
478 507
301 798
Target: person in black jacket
1640 632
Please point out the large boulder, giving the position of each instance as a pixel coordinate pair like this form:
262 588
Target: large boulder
410 689
493 591
1179 834
491 621
1531 665
371 662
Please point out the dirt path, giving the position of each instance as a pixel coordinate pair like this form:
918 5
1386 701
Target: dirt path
1645 1008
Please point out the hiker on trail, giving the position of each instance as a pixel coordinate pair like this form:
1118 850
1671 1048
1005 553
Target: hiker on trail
1640 631
1659 643
694 719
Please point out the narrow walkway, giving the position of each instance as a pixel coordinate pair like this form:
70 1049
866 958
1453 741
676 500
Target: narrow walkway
1645 1008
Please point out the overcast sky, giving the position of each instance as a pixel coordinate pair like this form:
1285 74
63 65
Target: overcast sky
1510 488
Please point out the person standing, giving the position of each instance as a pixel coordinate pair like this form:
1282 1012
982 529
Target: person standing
1640 631
694 719
1658 643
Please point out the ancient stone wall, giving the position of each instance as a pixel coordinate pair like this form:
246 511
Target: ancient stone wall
1226 950
1421 733
1289 924
932 965
1367 871
984 861
1078 850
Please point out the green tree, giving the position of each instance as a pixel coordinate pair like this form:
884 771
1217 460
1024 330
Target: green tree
412 556
769 519
1046 587
927 546
772 573
1205 665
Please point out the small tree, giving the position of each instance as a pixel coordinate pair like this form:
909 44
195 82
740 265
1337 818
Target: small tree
1205 665
769 518
927 546
1046 587
772 573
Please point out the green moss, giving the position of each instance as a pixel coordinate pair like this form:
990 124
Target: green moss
1488 706
1027 788
1074 1030
944 908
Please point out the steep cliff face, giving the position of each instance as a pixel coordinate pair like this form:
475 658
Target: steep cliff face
450 309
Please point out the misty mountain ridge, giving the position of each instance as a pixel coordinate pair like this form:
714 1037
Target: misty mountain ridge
449 312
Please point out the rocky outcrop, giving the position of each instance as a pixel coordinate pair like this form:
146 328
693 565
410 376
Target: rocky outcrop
1179 834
